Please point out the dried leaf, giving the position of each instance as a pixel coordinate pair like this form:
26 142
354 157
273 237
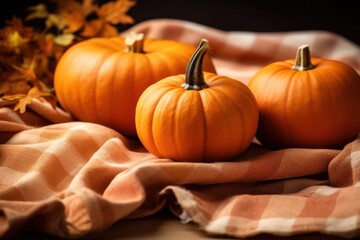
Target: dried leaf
114 12
46 44
72 13
28 55
64 39
25 99
33 93
93 28
88 7
109 31
13 87
99 28
27 74
16 24
57 21
38 11
15 40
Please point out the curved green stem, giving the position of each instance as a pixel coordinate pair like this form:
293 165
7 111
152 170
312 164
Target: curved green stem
194 77
303 59
135 43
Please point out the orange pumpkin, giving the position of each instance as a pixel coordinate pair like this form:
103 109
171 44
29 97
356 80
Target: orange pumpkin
100 80
198 116
307 102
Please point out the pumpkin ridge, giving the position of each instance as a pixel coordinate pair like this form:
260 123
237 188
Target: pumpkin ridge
165 63
173 46
115 59
96 94
111 44
93 117
215 98
289 105
239 109
183 102
155 147
204 142
318 131
160 103
163 47
148 93
334 78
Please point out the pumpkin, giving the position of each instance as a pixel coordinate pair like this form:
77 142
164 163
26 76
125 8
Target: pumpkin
197 116
100 80
307 102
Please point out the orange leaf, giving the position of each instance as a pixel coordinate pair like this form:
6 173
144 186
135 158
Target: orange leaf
25 99
72 13
16 24
57 21
15 40
109 31
114 12
64 39
88 7
27 74
9 87
38 11
93 28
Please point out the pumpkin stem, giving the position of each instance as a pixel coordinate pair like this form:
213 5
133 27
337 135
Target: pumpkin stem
194 77
135 42
303 59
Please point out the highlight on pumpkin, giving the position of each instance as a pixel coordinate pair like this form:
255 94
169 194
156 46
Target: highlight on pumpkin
210 123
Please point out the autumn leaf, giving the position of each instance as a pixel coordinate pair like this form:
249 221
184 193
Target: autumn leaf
72 13
16 24
64 39
11 87
57 21
100 28
28 55
15 40
27 74
38 11
115 12
88 7
93 28
25 99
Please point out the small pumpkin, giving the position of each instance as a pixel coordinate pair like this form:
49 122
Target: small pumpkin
197 116
100 80
307 102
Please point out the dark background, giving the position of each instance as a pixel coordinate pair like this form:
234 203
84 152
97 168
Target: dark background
342 17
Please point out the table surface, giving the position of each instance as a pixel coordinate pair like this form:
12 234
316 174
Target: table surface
161 226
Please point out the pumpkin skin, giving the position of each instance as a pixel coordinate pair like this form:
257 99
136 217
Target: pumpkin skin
204 125
98 81
314 108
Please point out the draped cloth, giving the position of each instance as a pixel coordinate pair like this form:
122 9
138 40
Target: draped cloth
70 178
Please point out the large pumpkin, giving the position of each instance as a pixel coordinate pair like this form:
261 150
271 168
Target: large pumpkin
100 80
307 102
197 117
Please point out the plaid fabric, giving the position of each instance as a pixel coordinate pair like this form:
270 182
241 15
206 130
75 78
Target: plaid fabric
71 178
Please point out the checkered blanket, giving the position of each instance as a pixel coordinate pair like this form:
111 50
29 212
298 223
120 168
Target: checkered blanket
70 178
